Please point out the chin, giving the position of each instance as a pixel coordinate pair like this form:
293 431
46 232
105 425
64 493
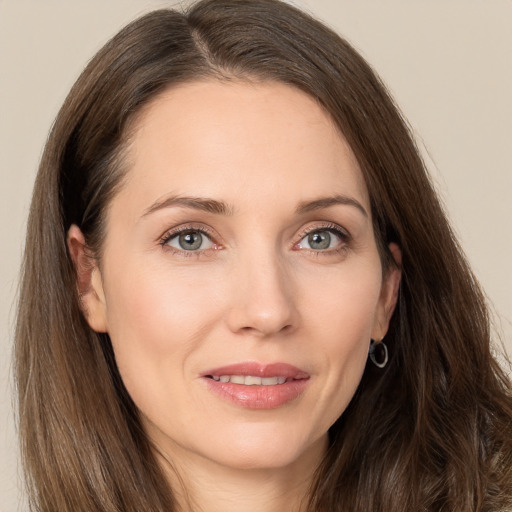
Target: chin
250 450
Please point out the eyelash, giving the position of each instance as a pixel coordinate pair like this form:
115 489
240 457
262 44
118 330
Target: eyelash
169 235
342 234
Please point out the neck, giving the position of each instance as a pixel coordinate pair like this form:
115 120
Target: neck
202 485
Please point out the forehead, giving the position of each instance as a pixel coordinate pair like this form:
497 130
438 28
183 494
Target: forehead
238 141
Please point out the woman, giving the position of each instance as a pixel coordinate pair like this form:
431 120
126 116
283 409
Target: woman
252 297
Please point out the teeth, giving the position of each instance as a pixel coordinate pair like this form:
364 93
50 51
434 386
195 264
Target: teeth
250 380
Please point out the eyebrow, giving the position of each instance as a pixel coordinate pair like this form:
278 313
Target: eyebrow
221 208
326 202
196 203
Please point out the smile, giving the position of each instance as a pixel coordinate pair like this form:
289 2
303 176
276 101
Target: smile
250 380
254 385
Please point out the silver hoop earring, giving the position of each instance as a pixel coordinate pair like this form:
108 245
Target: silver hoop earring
379 353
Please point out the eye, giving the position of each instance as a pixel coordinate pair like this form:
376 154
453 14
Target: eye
190 240
322 239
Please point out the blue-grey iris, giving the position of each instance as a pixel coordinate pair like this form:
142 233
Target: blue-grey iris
190 241
319 240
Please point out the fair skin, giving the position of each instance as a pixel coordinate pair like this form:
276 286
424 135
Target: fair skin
242 236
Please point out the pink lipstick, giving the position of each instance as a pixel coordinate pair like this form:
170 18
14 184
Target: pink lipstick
257 386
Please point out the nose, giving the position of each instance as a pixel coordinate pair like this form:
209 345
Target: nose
263 302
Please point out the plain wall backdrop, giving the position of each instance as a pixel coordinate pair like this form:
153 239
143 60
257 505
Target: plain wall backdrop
447 63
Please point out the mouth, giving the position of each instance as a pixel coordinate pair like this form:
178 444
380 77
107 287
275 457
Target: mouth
257 386
250 380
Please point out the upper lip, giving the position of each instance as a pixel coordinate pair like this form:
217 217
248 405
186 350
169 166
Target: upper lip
259 370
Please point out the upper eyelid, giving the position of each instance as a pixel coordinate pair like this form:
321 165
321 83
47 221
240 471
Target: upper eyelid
211 234
173 232
327 226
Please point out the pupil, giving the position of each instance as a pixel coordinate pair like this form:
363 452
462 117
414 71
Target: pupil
190 241
319 240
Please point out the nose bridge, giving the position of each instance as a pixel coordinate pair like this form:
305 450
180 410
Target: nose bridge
263 299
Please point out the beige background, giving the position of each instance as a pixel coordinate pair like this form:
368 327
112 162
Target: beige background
447 62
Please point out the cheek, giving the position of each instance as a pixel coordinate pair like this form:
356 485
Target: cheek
341 319
155 308
156 323
343 303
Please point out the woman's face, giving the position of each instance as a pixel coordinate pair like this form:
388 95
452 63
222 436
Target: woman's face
240 281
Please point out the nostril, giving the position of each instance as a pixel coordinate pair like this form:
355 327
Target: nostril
262 314
267 330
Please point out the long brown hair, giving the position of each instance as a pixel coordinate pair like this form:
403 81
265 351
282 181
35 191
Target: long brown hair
430 432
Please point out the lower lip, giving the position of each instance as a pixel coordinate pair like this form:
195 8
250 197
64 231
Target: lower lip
258 397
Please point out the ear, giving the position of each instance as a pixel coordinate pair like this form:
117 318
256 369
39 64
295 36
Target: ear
89 283
389 295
